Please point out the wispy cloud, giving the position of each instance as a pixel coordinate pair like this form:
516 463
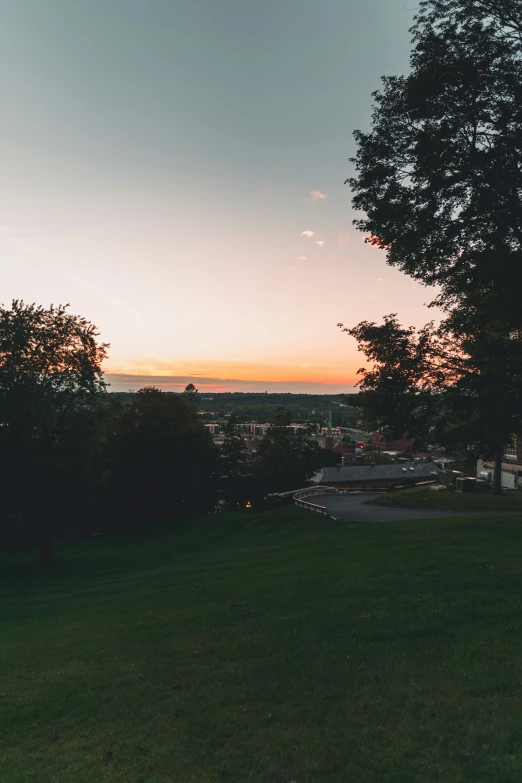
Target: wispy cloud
309 234
30 251
321 243
317 195
114 301
380 279
301 258
344 239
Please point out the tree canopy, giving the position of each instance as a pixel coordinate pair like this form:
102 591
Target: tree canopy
51 391
462 393
439 175
234 465
439 179
285 461
162 459
74 459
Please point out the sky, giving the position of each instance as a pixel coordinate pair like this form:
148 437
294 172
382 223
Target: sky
174 170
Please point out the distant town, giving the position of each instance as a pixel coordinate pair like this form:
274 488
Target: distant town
334 426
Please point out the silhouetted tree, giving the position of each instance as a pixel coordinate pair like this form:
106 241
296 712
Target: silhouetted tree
163 460
191 397
285 461
439 175
439 178
51 398
462 392
234 468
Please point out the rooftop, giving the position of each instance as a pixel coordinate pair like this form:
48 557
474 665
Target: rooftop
375 473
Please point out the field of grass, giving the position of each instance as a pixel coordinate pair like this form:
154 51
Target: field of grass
443 499
270 649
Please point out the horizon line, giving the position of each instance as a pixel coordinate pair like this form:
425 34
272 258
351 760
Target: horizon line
216 385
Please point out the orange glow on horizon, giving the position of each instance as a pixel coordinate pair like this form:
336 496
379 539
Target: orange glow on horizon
332 373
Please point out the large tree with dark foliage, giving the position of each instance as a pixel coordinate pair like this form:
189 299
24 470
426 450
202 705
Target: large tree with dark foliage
439 175
464 393
439 178
162 460
191 397
285 461
234 465
51 399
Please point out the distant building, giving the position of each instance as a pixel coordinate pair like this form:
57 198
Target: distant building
373 476
403 444
295 429
253 428
347 452
259 430
213 428
345 448
511 467
422 457
444 463
335 431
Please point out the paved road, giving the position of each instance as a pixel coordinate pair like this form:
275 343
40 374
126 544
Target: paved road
351 507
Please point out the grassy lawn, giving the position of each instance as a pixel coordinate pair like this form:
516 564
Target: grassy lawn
425 497
295 648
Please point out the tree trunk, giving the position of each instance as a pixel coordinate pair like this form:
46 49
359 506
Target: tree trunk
497 476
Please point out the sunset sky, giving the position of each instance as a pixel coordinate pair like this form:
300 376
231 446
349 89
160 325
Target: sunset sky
174 170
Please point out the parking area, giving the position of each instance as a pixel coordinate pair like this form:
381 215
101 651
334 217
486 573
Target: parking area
352 507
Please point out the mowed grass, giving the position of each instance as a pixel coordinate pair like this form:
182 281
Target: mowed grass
289 648
448 500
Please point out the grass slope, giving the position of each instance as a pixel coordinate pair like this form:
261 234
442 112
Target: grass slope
293 649
443 499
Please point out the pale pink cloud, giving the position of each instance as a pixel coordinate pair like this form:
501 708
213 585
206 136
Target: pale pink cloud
301 258
321 243
380 279
309 234
344 239
317 195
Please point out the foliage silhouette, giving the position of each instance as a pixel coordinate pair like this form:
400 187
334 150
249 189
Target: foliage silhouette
51 400
162 459
439 178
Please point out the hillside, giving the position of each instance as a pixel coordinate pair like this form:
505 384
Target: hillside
283 647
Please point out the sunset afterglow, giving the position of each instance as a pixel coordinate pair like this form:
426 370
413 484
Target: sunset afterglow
190 201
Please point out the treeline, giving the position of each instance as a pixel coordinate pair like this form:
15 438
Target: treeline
255 406
76 459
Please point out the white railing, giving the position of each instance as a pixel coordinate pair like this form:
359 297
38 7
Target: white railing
311 507
299 496
305 493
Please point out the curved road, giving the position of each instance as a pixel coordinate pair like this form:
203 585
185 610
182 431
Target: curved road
352 507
